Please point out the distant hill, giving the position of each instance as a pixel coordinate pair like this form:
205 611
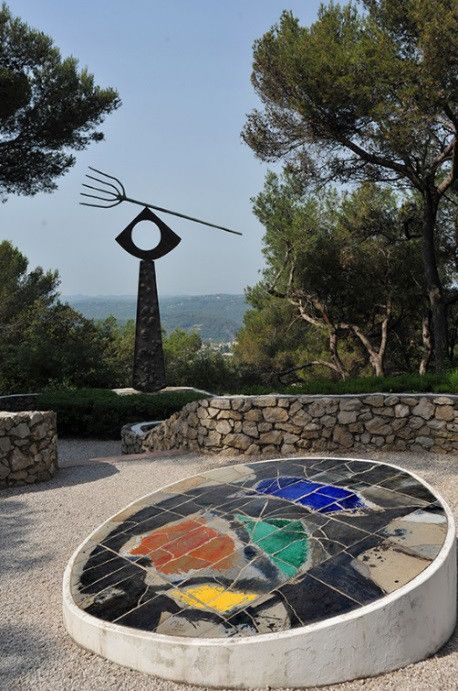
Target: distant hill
216 317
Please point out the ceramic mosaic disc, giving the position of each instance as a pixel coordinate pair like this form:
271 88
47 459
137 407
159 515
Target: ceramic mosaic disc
259 548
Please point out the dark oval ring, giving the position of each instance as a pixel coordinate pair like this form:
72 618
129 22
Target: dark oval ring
169 240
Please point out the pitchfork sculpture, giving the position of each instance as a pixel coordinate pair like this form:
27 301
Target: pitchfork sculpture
149 369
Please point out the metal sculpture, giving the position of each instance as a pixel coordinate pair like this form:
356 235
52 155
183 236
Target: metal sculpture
149 368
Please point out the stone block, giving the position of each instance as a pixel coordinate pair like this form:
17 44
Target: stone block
221 403
342 437
377 426
5 445
401 410
273 437
250 428
424 409
288 450
328 420
425 442
224 426
275 414
19 461
253 415
445 412
386 411
322 407
416 422
265 401
301 418
229 415
213 439
345 417
22 431
238 441
290 438
350 404
241 404
374 401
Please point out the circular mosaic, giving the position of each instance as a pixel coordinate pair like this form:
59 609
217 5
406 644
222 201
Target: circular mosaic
259 548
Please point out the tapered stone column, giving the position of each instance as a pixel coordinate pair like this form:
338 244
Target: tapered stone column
149 367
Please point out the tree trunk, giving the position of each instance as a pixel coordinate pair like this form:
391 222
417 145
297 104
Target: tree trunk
434 284
427 345
335 354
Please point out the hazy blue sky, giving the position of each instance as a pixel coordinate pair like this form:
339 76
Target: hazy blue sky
182 68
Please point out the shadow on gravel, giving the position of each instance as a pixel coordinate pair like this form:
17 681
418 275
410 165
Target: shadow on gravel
23 651
16 553
65 477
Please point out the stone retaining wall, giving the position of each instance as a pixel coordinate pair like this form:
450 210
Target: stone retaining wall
28 447
134 434
290 424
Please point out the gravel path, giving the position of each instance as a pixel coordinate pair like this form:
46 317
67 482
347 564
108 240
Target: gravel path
41 526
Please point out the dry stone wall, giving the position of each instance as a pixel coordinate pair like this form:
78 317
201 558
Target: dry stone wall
28 447
291 424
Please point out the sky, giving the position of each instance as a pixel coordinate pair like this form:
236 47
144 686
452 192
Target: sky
182 69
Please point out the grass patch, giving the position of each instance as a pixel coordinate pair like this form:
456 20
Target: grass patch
404 383
100 413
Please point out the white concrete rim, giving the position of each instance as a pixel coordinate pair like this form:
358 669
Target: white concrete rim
87 619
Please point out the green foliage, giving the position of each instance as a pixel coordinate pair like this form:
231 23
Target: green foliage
47 108
370 89
405 383
368 92
189 363
43 340
100 414
342 288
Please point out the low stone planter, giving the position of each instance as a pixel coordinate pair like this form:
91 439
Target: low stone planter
287 425
28 447
134 435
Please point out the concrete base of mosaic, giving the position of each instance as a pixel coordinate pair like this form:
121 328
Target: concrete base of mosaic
285 573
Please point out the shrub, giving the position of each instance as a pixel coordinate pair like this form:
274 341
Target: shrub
100 413
404 383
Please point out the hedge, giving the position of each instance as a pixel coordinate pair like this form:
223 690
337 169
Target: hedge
100 413
404 383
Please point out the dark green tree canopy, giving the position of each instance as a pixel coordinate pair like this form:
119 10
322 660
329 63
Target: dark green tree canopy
47 108
368 92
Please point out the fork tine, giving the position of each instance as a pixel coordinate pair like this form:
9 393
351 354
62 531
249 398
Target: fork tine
106 175
103 182
94 196
101 206
97 189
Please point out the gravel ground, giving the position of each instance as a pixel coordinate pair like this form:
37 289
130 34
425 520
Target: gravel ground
41 526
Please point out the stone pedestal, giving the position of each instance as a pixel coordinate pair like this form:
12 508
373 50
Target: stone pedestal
149 368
